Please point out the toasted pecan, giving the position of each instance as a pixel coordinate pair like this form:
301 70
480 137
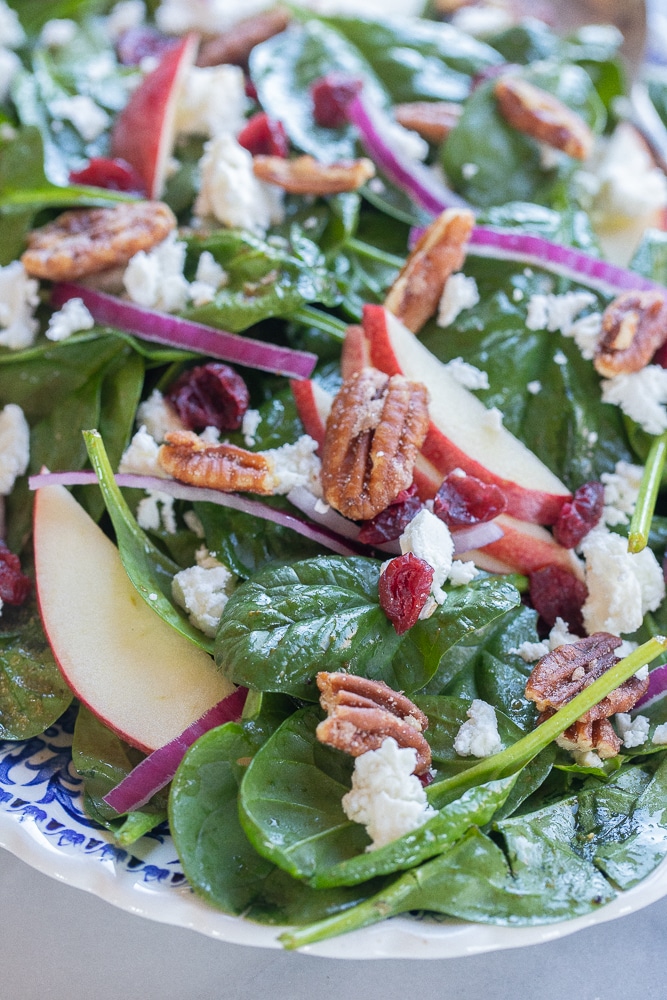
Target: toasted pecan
305 175
89 240
218 466
432 120
236 43
539 114
634 326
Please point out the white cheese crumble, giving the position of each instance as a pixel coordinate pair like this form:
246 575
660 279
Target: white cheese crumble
467 375
386 796
123 17
249 425
404 141
10 64
203 591
462 573
531 652
429 538
557 313
641 396
621 490
622 586
295 465
177 17
14 446
560 358
212 101
478 737
11 32
584 758
469 170
58 32
231 193
493 419
155 278
88 118
209 277
659 737
140 456
156 510
73 317
460 292
534 387
482 22
158 417
633 732
18 299
560 635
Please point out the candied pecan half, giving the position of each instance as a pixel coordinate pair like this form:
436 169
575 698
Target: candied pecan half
374 431
305 175
88 240
440 251
432 120
362 713
598 736
634 326
236 44
218 466
536 113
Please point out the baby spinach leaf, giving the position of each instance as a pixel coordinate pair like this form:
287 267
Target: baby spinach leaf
288 622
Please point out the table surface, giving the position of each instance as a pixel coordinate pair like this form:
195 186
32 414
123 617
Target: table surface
60 943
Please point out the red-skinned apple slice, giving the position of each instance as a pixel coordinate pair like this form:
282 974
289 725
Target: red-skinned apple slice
524 548
461 435
131 669
144 131
313 404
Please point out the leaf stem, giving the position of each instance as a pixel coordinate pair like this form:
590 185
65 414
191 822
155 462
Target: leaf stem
321 321
373 253
640 524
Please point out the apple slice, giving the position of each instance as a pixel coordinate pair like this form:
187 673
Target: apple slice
461 434
313 404
144 681
524 548
144 131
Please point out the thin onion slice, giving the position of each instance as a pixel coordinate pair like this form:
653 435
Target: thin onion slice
657 687
174 331
157 770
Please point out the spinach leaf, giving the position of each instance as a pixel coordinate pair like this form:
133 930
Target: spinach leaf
281 627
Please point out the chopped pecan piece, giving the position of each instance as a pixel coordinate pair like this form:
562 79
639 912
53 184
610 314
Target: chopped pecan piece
88 240
236 44
218 466
432 120
598 736
362 713
536 113
440 251
305 175
374 431
634 326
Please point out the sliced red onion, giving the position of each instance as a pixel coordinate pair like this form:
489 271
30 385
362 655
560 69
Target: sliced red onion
657 687
411 176
174 331
181 491
157 770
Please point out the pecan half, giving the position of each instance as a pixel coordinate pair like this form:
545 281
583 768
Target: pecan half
305 175
218 466
598 736
88 240
536 113
362 713
236 44
440 251
432 120
374 431
634 326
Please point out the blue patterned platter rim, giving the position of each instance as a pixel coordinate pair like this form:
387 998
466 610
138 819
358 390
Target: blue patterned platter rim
43 823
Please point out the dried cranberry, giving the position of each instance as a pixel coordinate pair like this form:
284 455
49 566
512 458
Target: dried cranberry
250 89
264 136
114 175
14 586
331 95
580 514
141 42
391 522
557 593
465 500
404 588
426 778
211 395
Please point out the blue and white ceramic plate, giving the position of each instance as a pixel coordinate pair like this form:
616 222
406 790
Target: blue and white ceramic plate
42 821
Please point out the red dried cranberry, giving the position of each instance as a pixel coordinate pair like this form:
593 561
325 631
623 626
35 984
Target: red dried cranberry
426 778
557 593
580 514
14 586
114 175
141 42
264 136
392 521
250 89
331 95
404 588
211 395
465 500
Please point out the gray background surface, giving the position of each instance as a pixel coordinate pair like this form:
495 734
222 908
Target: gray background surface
59 943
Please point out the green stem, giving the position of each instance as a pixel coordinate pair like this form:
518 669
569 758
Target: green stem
648 494
372 253
321 321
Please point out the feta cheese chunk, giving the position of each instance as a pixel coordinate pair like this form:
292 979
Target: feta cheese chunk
124 16
12 34
88 118
231 193
557 312
660 735
467 375
156 511
531 652
140 456
73 317
58 32
429 538
155 278
10 64
213 101
478 737
641 396
460 292
294 465
14 446
386 796
18 299
633 732
203 591
157 417
621 491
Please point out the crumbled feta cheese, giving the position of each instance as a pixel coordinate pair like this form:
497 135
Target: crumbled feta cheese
295 465
57 32
88 118
482 22
177 17
123 17
627 647
429 538
18 299
209 277
557 312
462 573
251 421
560 358
460 292
156 510
14 446
11 32
641 396
621 490
585 758
9 67
376 185
660 735
194 523
478 737
633 732
71 318
467 375
158 417
469 170
560 635
622 586
585 333
531 652
210 435
140 456
534 387
493 419
231 193
213 100
386 796
203 591
404 141
155 278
